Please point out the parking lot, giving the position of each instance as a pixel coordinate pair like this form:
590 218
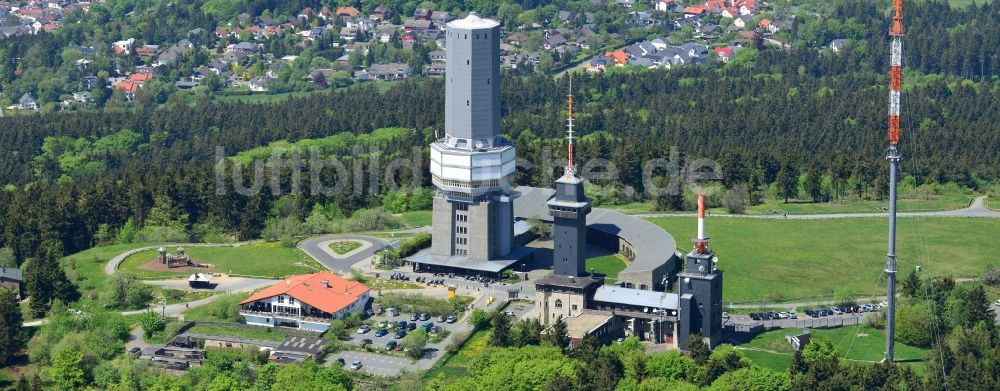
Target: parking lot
816 317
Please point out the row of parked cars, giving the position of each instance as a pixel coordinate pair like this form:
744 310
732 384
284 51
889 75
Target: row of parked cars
847 309
774 315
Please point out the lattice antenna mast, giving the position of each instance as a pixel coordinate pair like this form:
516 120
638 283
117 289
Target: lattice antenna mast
895 82
570 169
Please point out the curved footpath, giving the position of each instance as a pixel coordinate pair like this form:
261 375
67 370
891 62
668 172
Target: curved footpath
977 209
319 249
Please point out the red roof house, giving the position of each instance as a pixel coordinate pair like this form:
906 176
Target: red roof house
306 302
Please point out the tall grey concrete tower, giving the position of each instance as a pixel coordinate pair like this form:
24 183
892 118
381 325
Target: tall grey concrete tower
569 209
471 166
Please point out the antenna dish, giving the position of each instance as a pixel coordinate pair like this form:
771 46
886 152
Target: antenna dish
701 269
715 259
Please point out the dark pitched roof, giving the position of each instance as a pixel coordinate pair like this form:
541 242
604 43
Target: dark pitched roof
11 274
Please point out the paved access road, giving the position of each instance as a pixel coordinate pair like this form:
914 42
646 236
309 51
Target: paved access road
376 364
318 248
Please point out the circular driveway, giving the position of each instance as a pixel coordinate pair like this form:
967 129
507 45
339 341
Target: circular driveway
319 249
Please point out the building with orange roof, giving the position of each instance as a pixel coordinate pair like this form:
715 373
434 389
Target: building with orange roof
306 302
620 57
128 86
140 77
348 11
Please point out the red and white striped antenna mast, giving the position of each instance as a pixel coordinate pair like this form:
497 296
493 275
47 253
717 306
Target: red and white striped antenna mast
570 169
895 83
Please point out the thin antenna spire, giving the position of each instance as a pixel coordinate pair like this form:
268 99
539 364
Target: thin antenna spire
570 169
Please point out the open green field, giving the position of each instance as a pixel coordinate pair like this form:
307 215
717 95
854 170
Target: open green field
859 343
932 204
775 206
258 259
86 268
783 260
416 218
607 265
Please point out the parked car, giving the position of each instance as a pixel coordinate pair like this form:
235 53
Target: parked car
451 319
424 316
754 316
356 365
725 315
383 324
392 312
364 329
782 315
792 315
411 326
400 333
390 345
135 351
413 318
366 341
401 325
441 319
381 332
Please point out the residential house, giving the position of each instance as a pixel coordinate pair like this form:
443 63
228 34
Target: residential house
347 11
663 5
436 68
567 50
27 102
10 278
422 13
129 88
306 13
660 43
381 12
388 34
392 71
417 25
516 39
147 51
124 46
565 16
243 47
724 53
743 21
438 55
695 10
408 40
172 55
768 26
259 83
618 56
838 44
306 302
82 97
348 33
553 41
625 3
598 63
440 18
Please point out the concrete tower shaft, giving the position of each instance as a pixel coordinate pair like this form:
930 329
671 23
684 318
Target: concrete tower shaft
472 82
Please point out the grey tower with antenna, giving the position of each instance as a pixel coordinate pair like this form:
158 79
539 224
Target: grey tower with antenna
569 208
472 164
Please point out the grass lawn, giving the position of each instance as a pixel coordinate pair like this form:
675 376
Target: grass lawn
259 259
852 342
205 312
178 296
265 333
86 268
608 265
376 284
935 203
457 365
416 218
809 259
344 246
